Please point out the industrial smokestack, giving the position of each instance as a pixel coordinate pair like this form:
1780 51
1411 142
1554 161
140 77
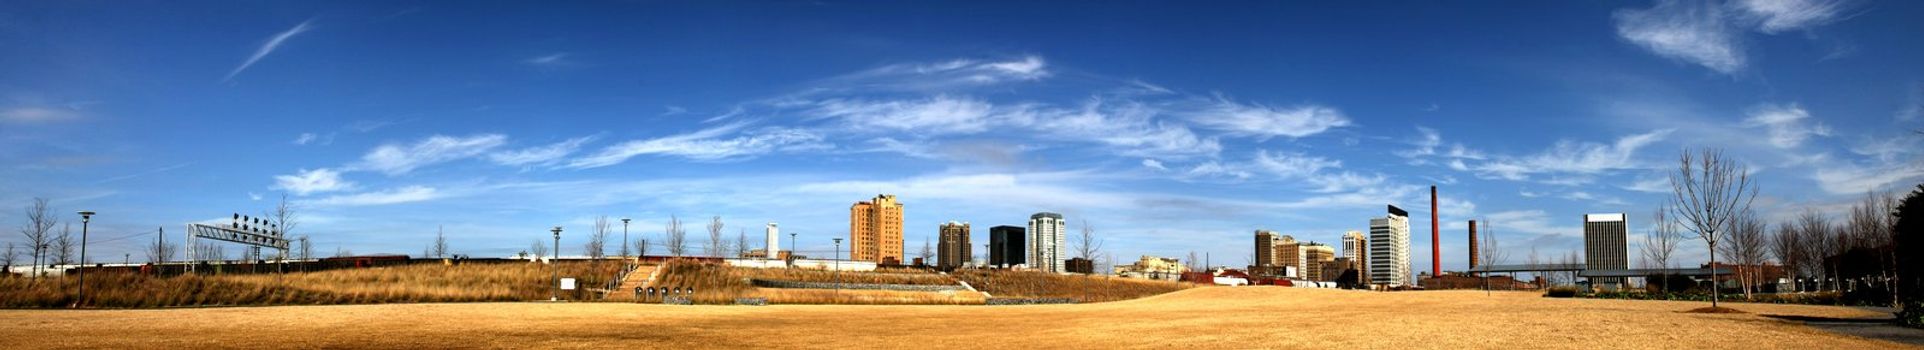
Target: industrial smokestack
1436 247
1473 244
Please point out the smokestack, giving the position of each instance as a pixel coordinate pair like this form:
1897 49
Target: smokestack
1473 244
1436 247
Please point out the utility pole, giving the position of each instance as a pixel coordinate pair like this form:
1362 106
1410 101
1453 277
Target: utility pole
624 238
838 267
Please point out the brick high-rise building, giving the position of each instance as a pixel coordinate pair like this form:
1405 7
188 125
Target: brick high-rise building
1356 247
1315 255
953 247
1266 241
1289 254
875 230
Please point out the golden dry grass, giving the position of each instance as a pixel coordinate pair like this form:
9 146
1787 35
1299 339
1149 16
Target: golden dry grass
395 284
1209 317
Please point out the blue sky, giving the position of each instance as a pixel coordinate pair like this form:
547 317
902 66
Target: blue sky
1168 128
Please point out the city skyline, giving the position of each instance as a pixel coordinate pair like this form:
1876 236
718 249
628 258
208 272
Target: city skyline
383 125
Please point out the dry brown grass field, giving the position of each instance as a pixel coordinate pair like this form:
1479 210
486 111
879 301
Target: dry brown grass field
1208 317
395 284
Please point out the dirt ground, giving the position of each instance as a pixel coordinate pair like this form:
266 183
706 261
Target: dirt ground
1217 317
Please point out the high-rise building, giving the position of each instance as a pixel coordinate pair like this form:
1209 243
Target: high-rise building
1356 247
1604 248
875 230
1046 231
1266 241
953 247
1289 256
1315 255
774 247
1389 248
1008 246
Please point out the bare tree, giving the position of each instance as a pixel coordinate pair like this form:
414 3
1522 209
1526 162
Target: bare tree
1490 252
1786 245
1814 229
741 243
926 252
675 238
284 217
439 250
1088 245
1536 261
63 245
1660 244
1710 192
641 247
306 248
340 251
597 245
1193 262
1745 245
7 258
716 246
1871 226
160 251
39 231
539 248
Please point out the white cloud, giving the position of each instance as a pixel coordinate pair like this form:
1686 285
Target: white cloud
1428 143
936 115
539 155
1690 31
1154 164
32 114
548 60
1214 168
1129 125
1650 185
707 145
1531 222
1776 16
1913 104
307 182
1852 179
1292 165
391 196
1345 181
1574 157
396 159
308 138
1786 124
1265 122
268 47
945 75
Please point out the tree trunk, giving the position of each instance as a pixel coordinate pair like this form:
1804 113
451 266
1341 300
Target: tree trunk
1714 286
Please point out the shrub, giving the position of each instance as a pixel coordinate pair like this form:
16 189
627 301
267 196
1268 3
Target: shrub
1561 292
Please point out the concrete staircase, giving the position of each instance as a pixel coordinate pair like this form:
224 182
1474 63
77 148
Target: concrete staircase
643 276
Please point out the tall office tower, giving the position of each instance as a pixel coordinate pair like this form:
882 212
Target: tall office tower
875 230
1604 248
1289 255
1046 231
1356 247
774 246
1390 249
1315 255
953 246
1266 241
1008 246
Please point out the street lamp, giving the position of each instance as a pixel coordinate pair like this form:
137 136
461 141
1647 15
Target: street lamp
624 238
791 249
85 218
838 267
555 283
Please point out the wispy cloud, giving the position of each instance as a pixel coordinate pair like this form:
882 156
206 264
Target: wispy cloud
940 114
540 155
406 194
1776 16
307 182
952 74
707 145
1787 124
1154 164
144 173
396 159
1570 157
1690 31
1913 107
269 47
308 138
37 114
1265 122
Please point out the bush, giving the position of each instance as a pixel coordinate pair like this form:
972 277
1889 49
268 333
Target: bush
1562 292
1910 239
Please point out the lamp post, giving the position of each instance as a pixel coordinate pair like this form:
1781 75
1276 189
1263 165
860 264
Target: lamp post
555 283
838 267
624 238
791 247
86 217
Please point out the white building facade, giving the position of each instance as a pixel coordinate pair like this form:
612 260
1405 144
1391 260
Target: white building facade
774 241
1046 236
1389 247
